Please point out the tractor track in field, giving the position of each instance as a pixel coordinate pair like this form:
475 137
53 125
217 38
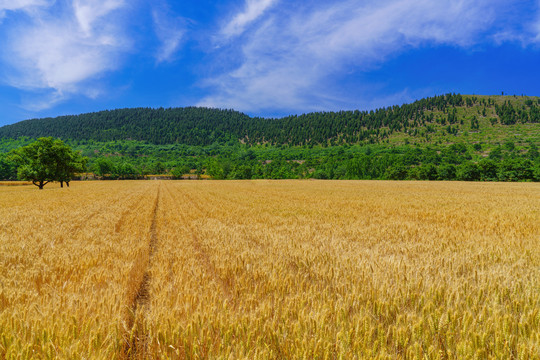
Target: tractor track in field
200 250
135 336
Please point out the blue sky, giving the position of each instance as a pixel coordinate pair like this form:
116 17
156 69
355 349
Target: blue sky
261 57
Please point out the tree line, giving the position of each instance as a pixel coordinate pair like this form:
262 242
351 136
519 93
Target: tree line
458 161
403 163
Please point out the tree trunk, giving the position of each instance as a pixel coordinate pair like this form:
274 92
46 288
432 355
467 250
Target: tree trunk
61 184
40 184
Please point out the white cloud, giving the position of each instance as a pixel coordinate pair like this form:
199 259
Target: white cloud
253 10
290 58
536 24
519 26
55 58
42 102
62 50
170 32
88 12
22 5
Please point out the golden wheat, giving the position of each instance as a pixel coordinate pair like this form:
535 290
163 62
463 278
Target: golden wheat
15 183
270 269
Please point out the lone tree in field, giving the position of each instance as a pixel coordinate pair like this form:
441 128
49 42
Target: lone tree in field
47 160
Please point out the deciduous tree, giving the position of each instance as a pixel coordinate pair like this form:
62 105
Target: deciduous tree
47 160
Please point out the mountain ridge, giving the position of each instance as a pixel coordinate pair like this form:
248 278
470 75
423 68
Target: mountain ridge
429 118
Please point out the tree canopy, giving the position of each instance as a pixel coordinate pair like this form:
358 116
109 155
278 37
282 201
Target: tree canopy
47 160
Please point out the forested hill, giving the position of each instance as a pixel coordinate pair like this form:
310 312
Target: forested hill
450 114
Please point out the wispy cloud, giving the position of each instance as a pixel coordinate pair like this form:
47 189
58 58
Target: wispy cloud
253 10
21 4
536 24
290 58
58 51
519 26
170 30
89 12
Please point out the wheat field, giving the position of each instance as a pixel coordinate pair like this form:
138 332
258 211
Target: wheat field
270 270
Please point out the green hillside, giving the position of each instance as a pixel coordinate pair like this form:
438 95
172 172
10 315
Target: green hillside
426 120
448 137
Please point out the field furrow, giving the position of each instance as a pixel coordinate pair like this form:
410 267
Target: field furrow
135 337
